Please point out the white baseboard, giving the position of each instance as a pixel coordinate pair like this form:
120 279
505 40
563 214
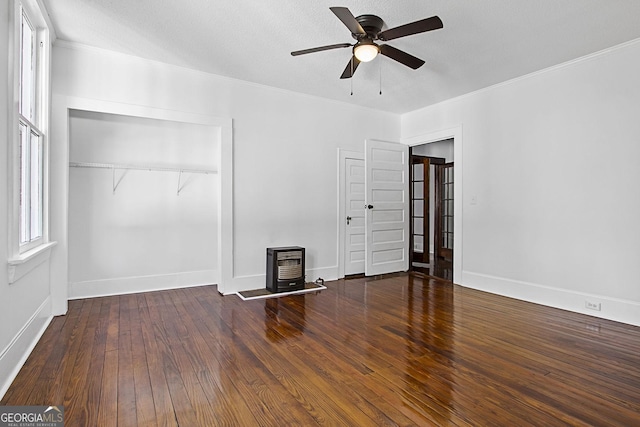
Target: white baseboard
13 357
132 285
619 310
259 281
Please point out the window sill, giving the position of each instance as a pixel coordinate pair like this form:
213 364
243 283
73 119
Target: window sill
22 264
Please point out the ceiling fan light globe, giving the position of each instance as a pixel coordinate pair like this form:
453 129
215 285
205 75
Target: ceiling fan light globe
366 52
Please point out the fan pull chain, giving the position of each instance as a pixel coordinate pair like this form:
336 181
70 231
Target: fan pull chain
380 62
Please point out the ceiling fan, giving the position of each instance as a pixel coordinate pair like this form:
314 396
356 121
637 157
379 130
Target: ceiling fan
367 29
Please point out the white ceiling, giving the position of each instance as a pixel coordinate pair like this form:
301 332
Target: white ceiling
482 42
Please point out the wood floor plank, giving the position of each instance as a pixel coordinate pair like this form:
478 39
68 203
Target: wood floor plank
113 325
107 406
127 412
180 351
163 406
145 409
93 388
182 408
399 349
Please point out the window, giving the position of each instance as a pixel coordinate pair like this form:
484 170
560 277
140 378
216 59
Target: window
29 243
30 184
29 144
30 138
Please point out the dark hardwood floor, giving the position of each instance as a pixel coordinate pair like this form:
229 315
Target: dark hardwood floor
398 350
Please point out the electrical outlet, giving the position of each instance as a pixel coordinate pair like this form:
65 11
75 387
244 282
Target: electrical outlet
593 305
593 328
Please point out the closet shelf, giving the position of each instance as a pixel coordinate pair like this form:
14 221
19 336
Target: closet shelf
139 167
127 167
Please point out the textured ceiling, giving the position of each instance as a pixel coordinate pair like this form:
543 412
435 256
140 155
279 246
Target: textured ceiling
482 42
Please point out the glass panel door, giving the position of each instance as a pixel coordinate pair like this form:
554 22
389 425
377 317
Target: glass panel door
444 222
419 211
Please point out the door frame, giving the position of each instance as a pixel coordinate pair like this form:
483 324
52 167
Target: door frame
456 134
343 155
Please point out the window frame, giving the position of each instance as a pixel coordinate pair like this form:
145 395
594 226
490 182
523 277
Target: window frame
34 122
28 125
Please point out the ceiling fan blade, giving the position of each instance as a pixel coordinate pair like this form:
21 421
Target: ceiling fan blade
320 49
350 70
401 56
348 19
429 24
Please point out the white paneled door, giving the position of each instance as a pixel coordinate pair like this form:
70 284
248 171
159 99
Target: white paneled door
387 207
354 209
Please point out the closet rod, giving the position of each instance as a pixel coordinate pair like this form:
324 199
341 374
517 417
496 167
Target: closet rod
139 167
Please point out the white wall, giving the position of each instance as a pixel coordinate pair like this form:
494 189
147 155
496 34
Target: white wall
552 162
24 304
443 149
144 235
285 168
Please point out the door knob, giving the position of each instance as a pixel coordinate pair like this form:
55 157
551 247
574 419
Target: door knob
369 206
348 220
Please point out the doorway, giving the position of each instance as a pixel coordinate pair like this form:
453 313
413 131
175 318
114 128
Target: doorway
373 228
354 218
439 145
431 214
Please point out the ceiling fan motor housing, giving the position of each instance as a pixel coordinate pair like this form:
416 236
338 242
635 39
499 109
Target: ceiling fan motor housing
371 24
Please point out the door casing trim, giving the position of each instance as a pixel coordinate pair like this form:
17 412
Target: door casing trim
456 134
